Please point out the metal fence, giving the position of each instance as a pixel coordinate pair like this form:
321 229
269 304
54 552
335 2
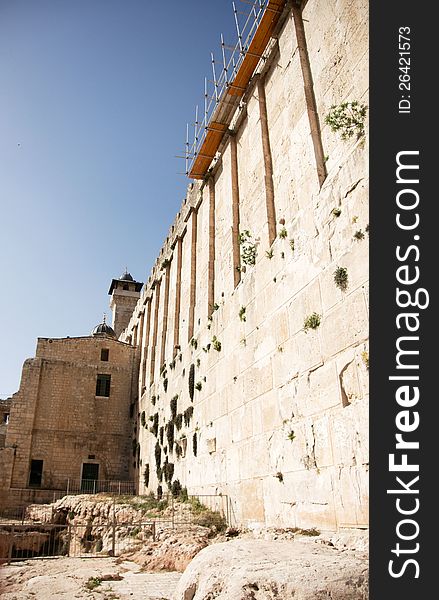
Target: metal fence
94 486
40 531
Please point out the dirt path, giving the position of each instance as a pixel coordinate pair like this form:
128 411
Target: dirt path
80 578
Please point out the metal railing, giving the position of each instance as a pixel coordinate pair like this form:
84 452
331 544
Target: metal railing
40 535
95 486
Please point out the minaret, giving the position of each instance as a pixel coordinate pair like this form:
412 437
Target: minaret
124 294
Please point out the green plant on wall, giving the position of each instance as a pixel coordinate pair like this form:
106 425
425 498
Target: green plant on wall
191 381
248 248
283 233
347 119
155 424
179 421
173 406
365 358
194 343
341 278
216 344
242 313
198 386
312 321
146 475
195 444
187 415
269 253
291 436
359 235
157 455
170 435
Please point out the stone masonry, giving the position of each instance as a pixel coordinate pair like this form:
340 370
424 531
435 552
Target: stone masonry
230 392
279 415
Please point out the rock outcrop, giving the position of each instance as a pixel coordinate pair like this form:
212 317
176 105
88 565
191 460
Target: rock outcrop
274 570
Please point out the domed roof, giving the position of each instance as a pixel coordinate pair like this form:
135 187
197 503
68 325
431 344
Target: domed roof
126 277
103 329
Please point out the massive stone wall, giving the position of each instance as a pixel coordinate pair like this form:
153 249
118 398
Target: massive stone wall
280 413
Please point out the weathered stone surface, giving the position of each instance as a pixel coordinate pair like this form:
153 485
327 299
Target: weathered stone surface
269 570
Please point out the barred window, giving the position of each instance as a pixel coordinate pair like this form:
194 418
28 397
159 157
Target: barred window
103 385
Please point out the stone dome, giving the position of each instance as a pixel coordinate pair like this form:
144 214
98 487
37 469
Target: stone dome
126 277
103 329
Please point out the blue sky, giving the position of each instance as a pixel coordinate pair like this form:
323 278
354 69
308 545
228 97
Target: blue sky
94 100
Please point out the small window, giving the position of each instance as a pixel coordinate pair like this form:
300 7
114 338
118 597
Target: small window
5 418
105 352
103 385
36 473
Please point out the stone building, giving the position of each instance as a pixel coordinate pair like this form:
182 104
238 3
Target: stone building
249 341
70 425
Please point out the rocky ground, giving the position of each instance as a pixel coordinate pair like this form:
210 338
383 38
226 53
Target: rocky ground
81 578
217 563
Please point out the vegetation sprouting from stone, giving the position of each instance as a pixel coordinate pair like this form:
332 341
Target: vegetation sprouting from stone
158 455
187 415
291 436
283 233
168 471
170 435
359 235
216 344
347 119
312 321
292 245
176 489
194 343
194 444
242 313
248 248
92 583
191 381
198 386
179 421
336 211
155 424
341 278
280 476
269 253
173 406
365 358
146 475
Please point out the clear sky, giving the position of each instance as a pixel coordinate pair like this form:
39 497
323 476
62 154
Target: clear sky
94 100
